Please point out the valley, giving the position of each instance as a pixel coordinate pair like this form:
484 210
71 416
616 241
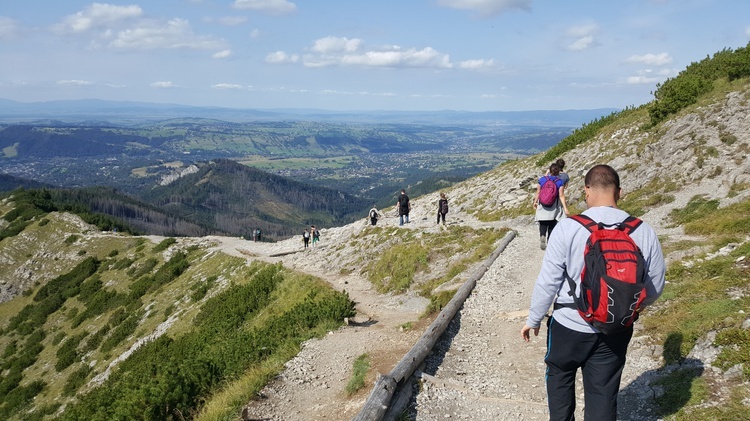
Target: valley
361 163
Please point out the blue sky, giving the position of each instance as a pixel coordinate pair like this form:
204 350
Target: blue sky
475 55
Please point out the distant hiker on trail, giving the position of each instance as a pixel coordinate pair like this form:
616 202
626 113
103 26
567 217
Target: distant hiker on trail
256 235
315 234
572 341
442 208
404 206
306 238
549 203
374 215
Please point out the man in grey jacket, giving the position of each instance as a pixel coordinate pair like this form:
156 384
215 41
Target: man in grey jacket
571 342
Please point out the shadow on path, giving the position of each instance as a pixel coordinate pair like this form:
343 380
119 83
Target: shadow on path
659 393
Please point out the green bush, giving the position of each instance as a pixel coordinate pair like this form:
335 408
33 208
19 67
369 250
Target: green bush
142 268
123 263
170 373
675 94
587 132
95 340
67 354
121 332
164 244
75 380
20 397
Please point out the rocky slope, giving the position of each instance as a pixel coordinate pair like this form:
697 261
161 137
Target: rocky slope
481 370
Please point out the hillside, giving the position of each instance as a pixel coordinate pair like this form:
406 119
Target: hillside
234 198
688 176
95 319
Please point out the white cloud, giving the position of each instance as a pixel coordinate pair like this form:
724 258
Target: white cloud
124 27
581 44
9 29
426 57
98 15
280 57
223 54
581 37
649 76
255 33
163 85
643 80
342 51
175 33
336 44
271 7
227 86
660 59
487 8
477 64
228 20
74 82
339 51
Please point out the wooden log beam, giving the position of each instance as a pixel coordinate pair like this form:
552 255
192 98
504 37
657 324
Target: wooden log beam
379 399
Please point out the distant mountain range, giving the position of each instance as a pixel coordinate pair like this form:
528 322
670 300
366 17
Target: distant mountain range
92 110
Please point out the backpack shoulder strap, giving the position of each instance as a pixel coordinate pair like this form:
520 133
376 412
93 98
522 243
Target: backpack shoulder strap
630 224
587 222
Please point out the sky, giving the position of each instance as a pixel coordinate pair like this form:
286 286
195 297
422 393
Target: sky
358 55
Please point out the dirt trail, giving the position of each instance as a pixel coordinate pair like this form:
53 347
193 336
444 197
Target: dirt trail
479 370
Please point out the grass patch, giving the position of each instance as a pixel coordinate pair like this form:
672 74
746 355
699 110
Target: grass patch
485 215
656 192
682 245
681 387
227 403
359 372
736 349
709 295
731 409
732 220
698 207
438 301
395 269
737 188
698 302
413 256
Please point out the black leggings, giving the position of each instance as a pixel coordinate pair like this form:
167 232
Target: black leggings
546 227
439 216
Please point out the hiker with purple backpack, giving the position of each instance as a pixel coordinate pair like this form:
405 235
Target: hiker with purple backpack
549 203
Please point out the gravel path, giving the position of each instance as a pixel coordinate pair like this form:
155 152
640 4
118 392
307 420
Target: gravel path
482 370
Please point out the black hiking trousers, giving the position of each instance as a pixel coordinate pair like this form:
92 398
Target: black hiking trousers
546 227
601 359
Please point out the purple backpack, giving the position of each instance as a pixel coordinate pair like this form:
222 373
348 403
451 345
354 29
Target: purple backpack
549 191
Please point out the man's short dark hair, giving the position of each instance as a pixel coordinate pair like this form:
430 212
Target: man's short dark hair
603 177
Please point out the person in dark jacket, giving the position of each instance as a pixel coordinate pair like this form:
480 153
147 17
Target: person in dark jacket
403 207
442 208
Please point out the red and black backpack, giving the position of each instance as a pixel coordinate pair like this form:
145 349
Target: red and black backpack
613 276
